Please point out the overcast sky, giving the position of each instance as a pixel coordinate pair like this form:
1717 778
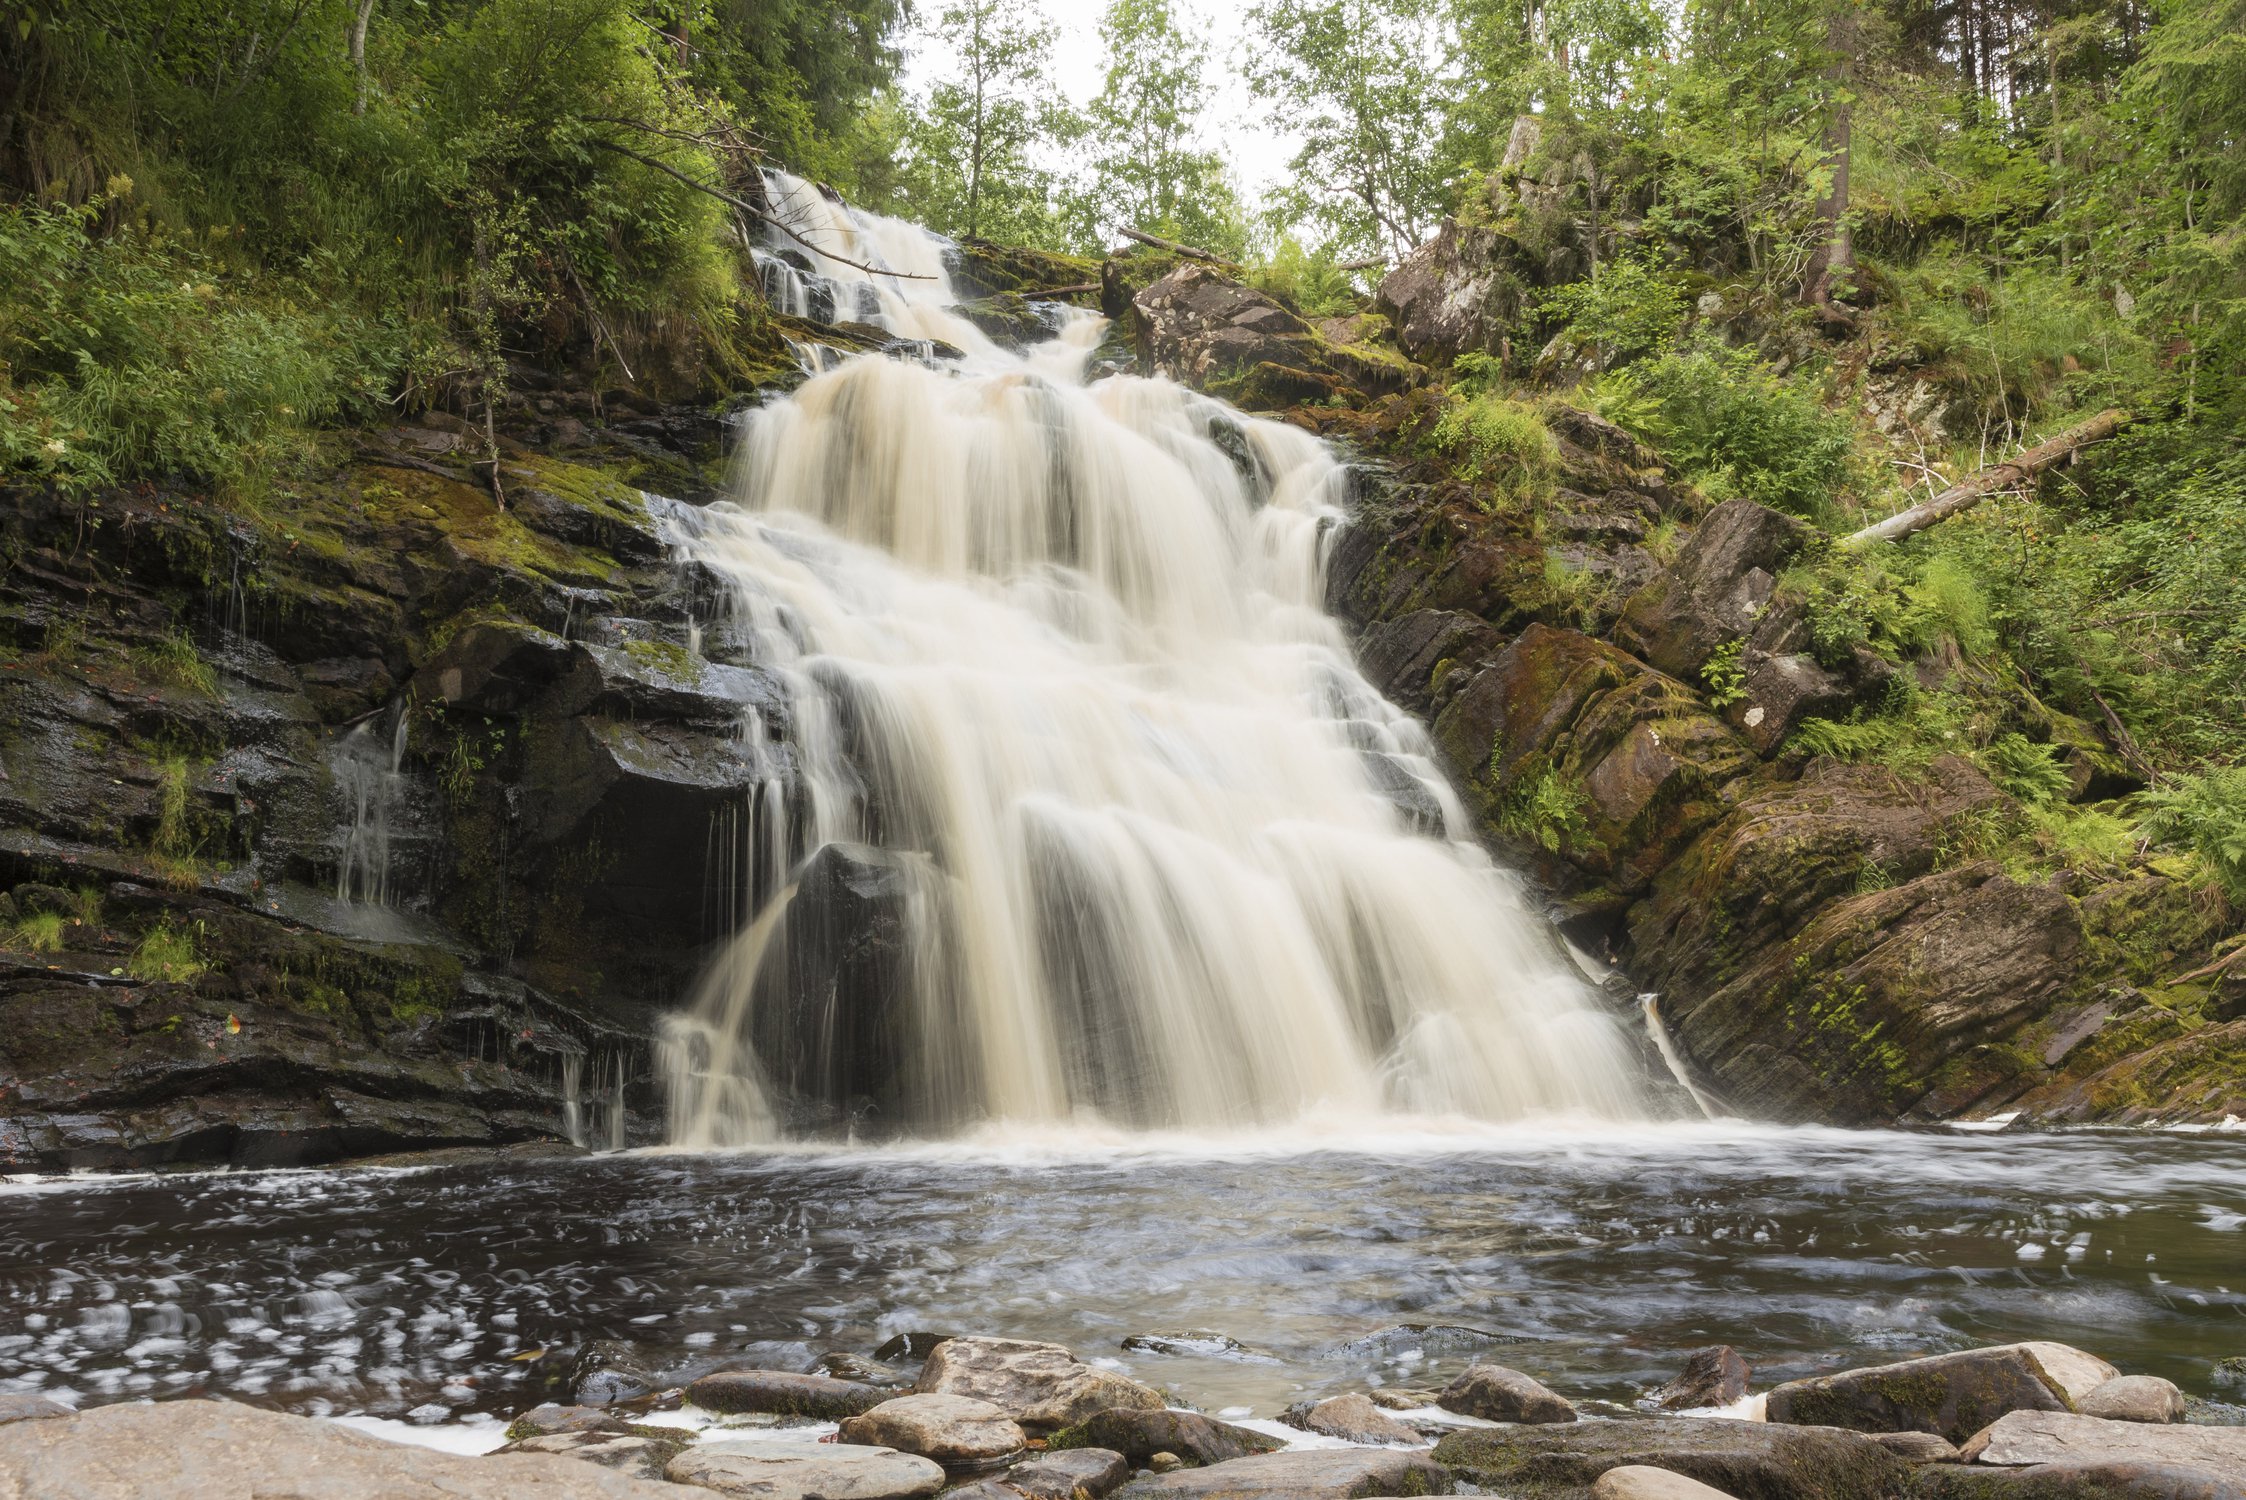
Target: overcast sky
1236 125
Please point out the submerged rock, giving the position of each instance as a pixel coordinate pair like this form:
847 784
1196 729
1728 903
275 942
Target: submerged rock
784 1393
1953 1395
1497 1394
1140 1434
806 1471
218 1450
959 1432
1301 1474
1353 1419
1753 1460
608 1371
1042 1386
29 1408
1197 1344
1711 1377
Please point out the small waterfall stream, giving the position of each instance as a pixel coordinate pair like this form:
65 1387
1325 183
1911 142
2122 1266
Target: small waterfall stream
369 765
1083 811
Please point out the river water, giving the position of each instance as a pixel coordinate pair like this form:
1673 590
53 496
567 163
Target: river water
1594 1258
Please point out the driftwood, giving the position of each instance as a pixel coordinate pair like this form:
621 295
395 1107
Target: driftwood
1070 290
1971 490
1175 248
1370 262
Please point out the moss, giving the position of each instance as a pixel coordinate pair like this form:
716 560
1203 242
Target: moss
667 657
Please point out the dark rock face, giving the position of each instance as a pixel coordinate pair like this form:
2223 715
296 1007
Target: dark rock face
1749 1460
1951 1395
1220 336
1711 1377
1138 1435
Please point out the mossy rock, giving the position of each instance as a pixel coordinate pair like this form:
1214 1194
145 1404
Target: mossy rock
1748 1460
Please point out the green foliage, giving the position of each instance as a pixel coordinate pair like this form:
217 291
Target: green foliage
971 154
1737 428
174 659
2004 346
1622 313
2029 771
1947 603
1309 279
1544 806
1148 171
39 933
169 954
1500 443
1725 677
2205 814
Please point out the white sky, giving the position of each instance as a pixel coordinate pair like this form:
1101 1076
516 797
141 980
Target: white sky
1236 125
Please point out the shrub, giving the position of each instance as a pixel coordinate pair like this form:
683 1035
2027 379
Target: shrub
1545 807
2206 815
1725 677
1947 602
1624 312
1501 443
2029 771
1738 429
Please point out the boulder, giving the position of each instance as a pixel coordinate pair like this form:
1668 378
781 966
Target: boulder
1403 1398
1917 1447
784 1393
959 1432
1068 1474
806 1471
2022 1438
1952 1395
1639 1482
1497 1394
552 1418
642 1452
1205 329
909 1346
1042 1386
494 667
1140 1434
1715 591
2135 1398
1300 1474
218 1450
1408 657
1751 1460
2090 1481
1711 1377
1353 1419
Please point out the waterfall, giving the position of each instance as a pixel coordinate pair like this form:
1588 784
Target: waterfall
369 772
1084 812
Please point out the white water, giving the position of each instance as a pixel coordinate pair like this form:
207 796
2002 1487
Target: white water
1061 648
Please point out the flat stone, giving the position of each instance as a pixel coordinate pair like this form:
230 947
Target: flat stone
959 1432
1954 1395
552 1417
219 1450
2108 1481
2135 1398
1069 1474
1353 1419
1917 1447
1139 1435
644 1453
1753 1460
1041 1386
25 1408
784 1393
1640 1482
1300 1474
1403 1398
807 1471
1711 1377
2024 1438
1497 1394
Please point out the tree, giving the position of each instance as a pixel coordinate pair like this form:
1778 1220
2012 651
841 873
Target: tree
973 168
1149 170
1365 85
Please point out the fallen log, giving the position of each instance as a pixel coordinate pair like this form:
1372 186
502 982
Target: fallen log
1971 490
1367 264
1175 248
1070 290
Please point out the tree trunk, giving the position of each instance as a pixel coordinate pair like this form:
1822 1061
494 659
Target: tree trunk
1835 259
1972 490
358 40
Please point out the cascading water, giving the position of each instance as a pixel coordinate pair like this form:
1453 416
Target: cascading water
1083 810
369 773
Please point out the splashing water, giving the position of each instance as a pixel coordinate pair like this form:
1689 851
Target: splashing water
369 773
1082 809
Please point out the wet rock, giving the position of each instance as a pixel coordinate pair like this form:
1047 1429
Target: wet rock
2021 1438
552 1417
959 1432
1711 1377
806 1471
1639 1482
1139 1434
1917 1447
1042 1386
1425 1340
1953 1395
1198 1343
910 1346
1165 1462
2078 1481
1221 337
784 1393
1407 658
1353 1419
494 667
843 1365
1300 1474
1713 594
642 1452
29 1408
218 1450
2135 1398
1069 1474
608 1371
792 1355
1403 1398
1752 1460
1497 1394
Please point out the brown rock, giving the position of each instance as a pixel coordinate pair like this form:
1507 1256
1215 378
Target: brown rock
959 1432
785 1393
1953 1395
1041 1386
1353 1419
1711 1377
1300 1474
2135 1398
1139 1434
1069 1474
1497 1394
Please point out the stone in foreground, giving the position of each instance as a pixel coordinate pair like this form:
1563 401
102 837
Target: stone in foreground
1917 1447
2135 1398
1041 1386
217 1450
1749 1460
959 1432
644 1453
2115 1481
783 1393
1638 1482
1353 1419
1300 1474
1953 1395
1497 1394
1068 1474
1711 1377
1139 1435
2024 1438
28 1408
807 1471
